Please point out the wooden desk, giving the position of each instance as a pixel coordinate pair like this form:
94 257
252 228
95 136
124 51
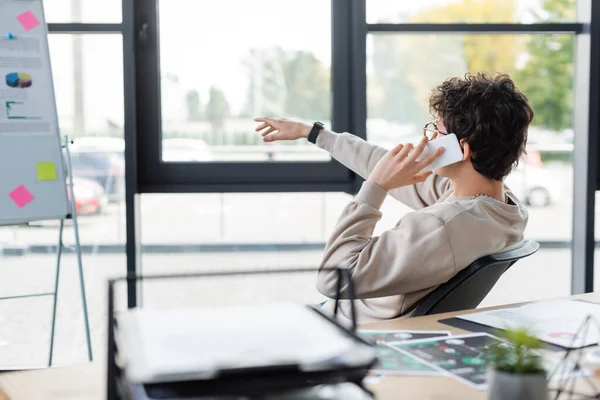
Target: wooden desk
87 381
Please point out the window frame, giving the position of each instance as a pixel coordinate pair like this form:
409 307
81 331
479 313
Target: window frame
156 176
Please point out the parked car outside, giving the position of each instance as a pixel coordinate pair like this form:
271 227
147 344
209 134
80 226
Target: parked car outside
534 184
533 158
101 159
90 198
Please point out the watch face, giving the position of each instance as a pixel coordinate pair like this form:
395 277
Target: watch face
314 132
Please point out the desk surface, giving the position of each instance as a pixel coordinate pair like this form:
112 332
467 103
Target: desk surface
87 381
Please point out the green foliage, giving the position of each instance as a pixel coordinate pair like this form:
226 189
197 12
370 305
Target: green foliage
217 109
551 156
394 92
557 11
405 69
520 358
194 106
547 80
283 83
307 83
547 77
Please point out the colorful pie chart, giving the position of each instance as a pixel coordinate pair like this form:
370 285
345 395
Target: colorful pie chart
18 80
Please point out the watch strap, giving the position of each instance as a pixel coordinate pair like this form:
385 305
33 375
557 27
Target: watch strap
314 132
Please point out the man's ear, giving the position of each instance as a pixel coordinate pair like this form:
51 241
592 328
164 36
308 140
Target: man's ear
466 150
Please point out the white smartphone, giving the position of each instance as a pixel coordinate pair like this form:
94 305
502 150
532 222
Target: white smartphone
452 152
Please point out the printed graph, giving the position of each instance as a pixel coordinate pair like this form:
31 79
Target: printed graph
18 80
19 110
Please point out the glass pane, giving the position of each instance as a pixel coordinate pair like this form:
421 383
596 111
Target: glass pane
88 81
233 68
187 233
473 11
239 218
401 76
219 232
105 11
515 285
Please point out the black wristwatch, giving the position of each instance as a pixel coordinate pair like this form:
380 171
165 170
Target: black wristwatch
314 132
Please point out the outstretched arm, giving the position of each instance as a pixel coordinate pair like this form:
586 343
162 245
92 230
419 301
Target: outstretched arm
357 155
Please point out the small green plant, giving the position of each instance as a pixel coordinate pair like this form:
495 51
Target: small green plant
520 355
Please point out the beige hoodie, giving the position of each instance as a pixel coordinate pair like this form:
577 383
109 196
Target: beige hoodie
426 248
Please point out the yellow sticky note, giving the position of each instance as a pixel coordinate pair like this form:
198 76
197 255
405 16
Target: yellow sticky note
46 171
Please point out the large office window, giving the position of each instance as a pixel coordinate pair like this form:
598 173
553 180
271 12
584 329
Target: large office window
214 79
233 67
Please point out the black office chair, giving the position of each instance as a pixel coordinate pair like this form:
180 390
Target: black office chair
470 286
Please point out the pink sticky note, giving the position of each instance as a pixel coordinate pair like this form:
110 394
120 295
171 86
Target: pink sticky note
28 20
21 196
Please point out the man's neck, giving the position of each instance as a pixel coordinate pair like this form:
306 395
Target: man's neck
477 184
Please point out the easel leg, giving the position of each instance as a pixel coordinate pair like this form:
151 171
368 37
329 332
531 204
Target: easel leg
59 253
78 250
82 285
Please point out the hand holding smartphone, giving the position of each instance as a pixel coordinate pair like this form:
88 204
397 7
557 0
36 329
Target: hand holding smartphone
452 152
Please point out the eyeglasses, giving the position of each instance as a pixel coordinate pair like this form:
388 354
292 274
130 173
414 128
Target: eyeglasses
431 131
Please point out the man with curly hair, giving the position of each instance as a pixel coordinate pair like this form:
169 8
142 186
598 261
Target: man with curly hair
461 212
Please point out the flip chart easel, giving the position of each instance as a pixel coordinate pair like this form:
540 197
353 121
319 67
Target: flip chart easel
35 176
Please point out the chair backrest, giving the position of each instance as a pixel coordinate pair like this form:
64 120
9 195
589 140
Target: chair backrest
470 286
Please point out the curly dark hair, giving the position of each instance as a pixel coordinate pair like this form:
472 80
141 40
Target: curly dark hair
490 114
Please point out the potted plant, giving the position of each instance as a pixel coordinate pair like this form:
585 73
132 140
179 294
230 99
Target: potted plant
517 371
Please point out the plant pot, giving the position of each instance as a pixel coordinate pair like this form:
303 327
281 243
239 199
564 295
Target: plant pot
507 386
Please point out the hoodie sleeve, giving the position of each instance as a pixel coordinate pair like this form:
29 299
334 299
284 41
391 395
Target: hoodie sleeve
414 255
361 157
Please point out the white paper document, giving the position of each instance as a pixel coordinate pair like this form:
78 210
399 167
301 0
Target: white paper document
556 321
197 343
